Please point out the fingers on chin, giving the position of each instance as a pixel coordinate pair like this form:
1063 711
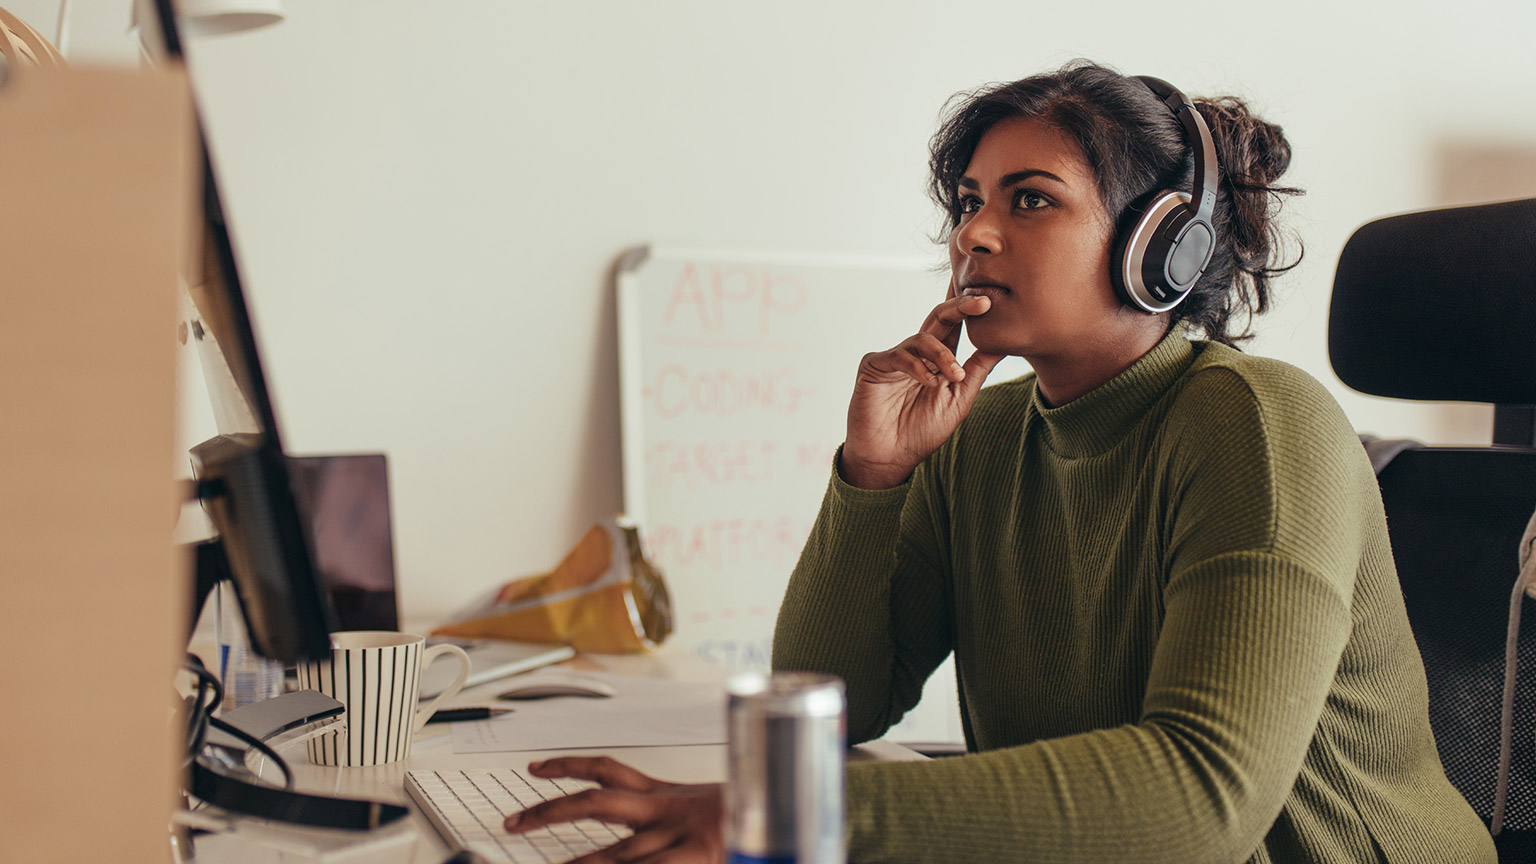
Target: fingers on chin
932 347
921 369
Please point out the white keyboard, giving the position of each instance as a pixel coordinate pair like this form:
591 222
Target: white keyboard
467 808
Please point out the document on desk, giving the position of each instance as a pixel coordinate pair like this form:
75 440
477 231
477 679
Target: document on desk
644 712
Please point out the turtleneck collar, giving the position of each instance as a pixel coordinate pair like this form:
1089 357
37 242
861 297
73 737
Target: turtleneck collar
1093 422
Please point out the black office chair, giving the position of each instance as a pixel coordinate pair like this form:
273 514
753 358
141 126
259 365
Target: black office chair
1441 306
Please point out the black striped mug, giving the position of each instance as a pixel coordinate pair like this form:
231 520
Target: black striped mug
377 675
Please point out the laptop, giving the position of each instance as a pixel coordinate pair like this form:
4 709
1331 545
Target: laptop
345 499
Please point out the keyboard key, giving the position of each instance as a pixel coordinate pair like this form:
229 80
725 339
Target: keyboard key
468 809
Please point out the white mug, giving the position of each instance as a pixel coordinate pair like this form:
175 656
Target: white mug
376 674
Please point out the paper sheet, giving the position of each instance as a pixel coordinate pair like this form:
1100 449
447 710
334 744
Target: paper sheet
646 712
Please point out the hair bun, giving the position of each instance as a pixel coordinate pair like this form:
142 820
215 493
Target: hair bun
1253 152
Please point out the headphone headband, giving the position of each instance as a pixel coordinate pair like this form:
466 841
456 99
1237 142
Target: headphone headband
1161 256
1198 134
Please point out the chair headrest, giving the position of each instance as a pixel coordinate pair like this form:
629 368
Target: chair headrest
1439 305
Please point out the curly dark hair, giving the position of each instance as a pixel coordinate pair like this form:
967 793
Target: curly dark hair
1136 148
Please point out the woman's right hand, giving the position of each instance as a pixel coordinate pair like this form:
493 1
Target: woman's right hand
909 400
673 823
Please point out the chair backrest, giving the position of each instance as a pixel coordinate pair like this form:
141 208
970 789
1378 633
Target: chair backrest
1441 306
1456 517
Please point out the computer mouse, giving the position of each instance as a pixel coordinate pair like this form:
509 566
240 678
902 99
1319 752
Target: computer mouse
547 684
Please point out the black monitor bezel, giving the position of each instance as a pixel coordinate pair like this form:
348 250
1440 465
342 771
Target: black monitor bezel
245 479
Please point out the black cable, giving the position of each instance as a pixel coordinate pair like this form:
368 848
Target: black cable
203 718
198 729
197 724
194 664
260 747
199 709
208 784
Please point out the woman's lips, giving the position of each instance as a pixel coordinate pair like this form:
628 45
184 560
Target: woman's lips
984 289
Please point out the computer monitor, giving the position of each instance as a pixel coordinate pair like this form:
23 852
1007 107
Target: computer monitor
243 476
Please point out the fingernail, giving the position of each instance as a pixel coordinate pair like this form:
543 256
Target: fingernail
957 369
512 821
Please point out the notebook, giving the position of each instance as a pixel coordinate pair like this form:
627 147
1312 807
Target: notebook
345 499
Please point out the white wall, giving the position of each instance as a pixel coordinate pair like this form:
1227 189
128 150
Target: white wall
428 196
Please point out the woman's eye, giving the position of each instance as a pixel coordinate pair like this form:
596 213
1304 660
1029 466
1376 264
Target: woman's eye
1032 200
969 204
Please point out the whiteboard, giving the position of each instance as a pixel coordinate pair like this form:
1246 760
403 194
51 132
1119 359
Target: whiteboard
735 374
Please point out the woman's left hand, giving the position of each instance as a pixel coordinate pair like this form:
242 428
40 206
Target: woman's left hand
674 823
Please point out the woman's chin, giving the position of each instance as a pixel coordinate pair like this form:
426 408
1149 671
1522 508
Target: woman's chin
987 336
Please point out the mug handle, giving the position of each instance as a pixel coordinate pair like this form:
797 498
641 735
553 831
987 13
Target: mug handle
426 711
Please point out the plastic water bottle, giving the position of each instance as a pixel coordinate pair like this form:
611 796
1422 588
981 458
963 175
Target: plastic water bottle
247 676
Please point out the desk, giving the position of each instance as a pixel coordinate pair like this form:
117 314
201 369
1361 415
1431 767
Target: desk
432 750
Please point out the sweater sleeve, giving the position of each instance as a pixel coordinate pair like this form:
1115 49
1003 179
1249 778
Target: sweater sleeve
868 601
1263 534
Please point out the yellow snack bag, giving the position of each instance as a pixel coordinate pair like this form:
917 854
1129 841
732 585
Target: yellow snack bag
605 597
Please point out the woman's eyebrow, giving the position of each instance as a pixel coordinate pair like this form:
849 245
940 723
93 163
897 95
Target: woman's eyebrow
1012 179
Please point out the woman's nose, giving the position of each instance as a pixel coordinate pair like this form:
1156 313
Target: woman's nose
979 235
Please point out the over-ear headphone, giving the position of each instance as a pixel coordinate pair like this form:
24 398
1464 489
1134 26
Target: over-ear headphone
1161 257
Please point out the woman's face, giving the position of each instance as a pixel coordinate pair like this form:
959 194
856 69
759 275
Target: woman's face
1035 238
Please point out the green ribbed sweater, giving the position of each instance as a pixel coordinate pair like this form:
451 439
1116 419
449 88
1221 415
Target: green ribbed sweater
1176 626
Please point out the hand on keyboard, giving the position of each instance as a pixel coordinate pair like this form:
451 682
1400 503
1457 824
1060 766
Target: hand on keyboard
673 823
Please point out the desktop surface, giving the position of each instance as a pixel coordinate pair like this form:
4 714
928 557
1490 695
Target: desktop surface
419 843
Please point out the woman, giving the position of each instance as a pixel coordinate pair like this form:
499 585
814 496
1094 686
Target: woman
1161 564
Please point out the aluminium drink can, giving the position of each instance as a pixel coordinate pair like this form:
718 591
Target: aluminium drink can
784 795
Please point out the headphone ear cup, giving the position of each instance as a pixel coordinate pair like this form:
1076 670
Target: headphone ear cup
1189 255
1146 253
1133 225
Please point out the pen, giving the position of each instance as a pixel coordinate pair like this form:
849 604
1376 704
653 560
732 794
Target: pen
451 715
